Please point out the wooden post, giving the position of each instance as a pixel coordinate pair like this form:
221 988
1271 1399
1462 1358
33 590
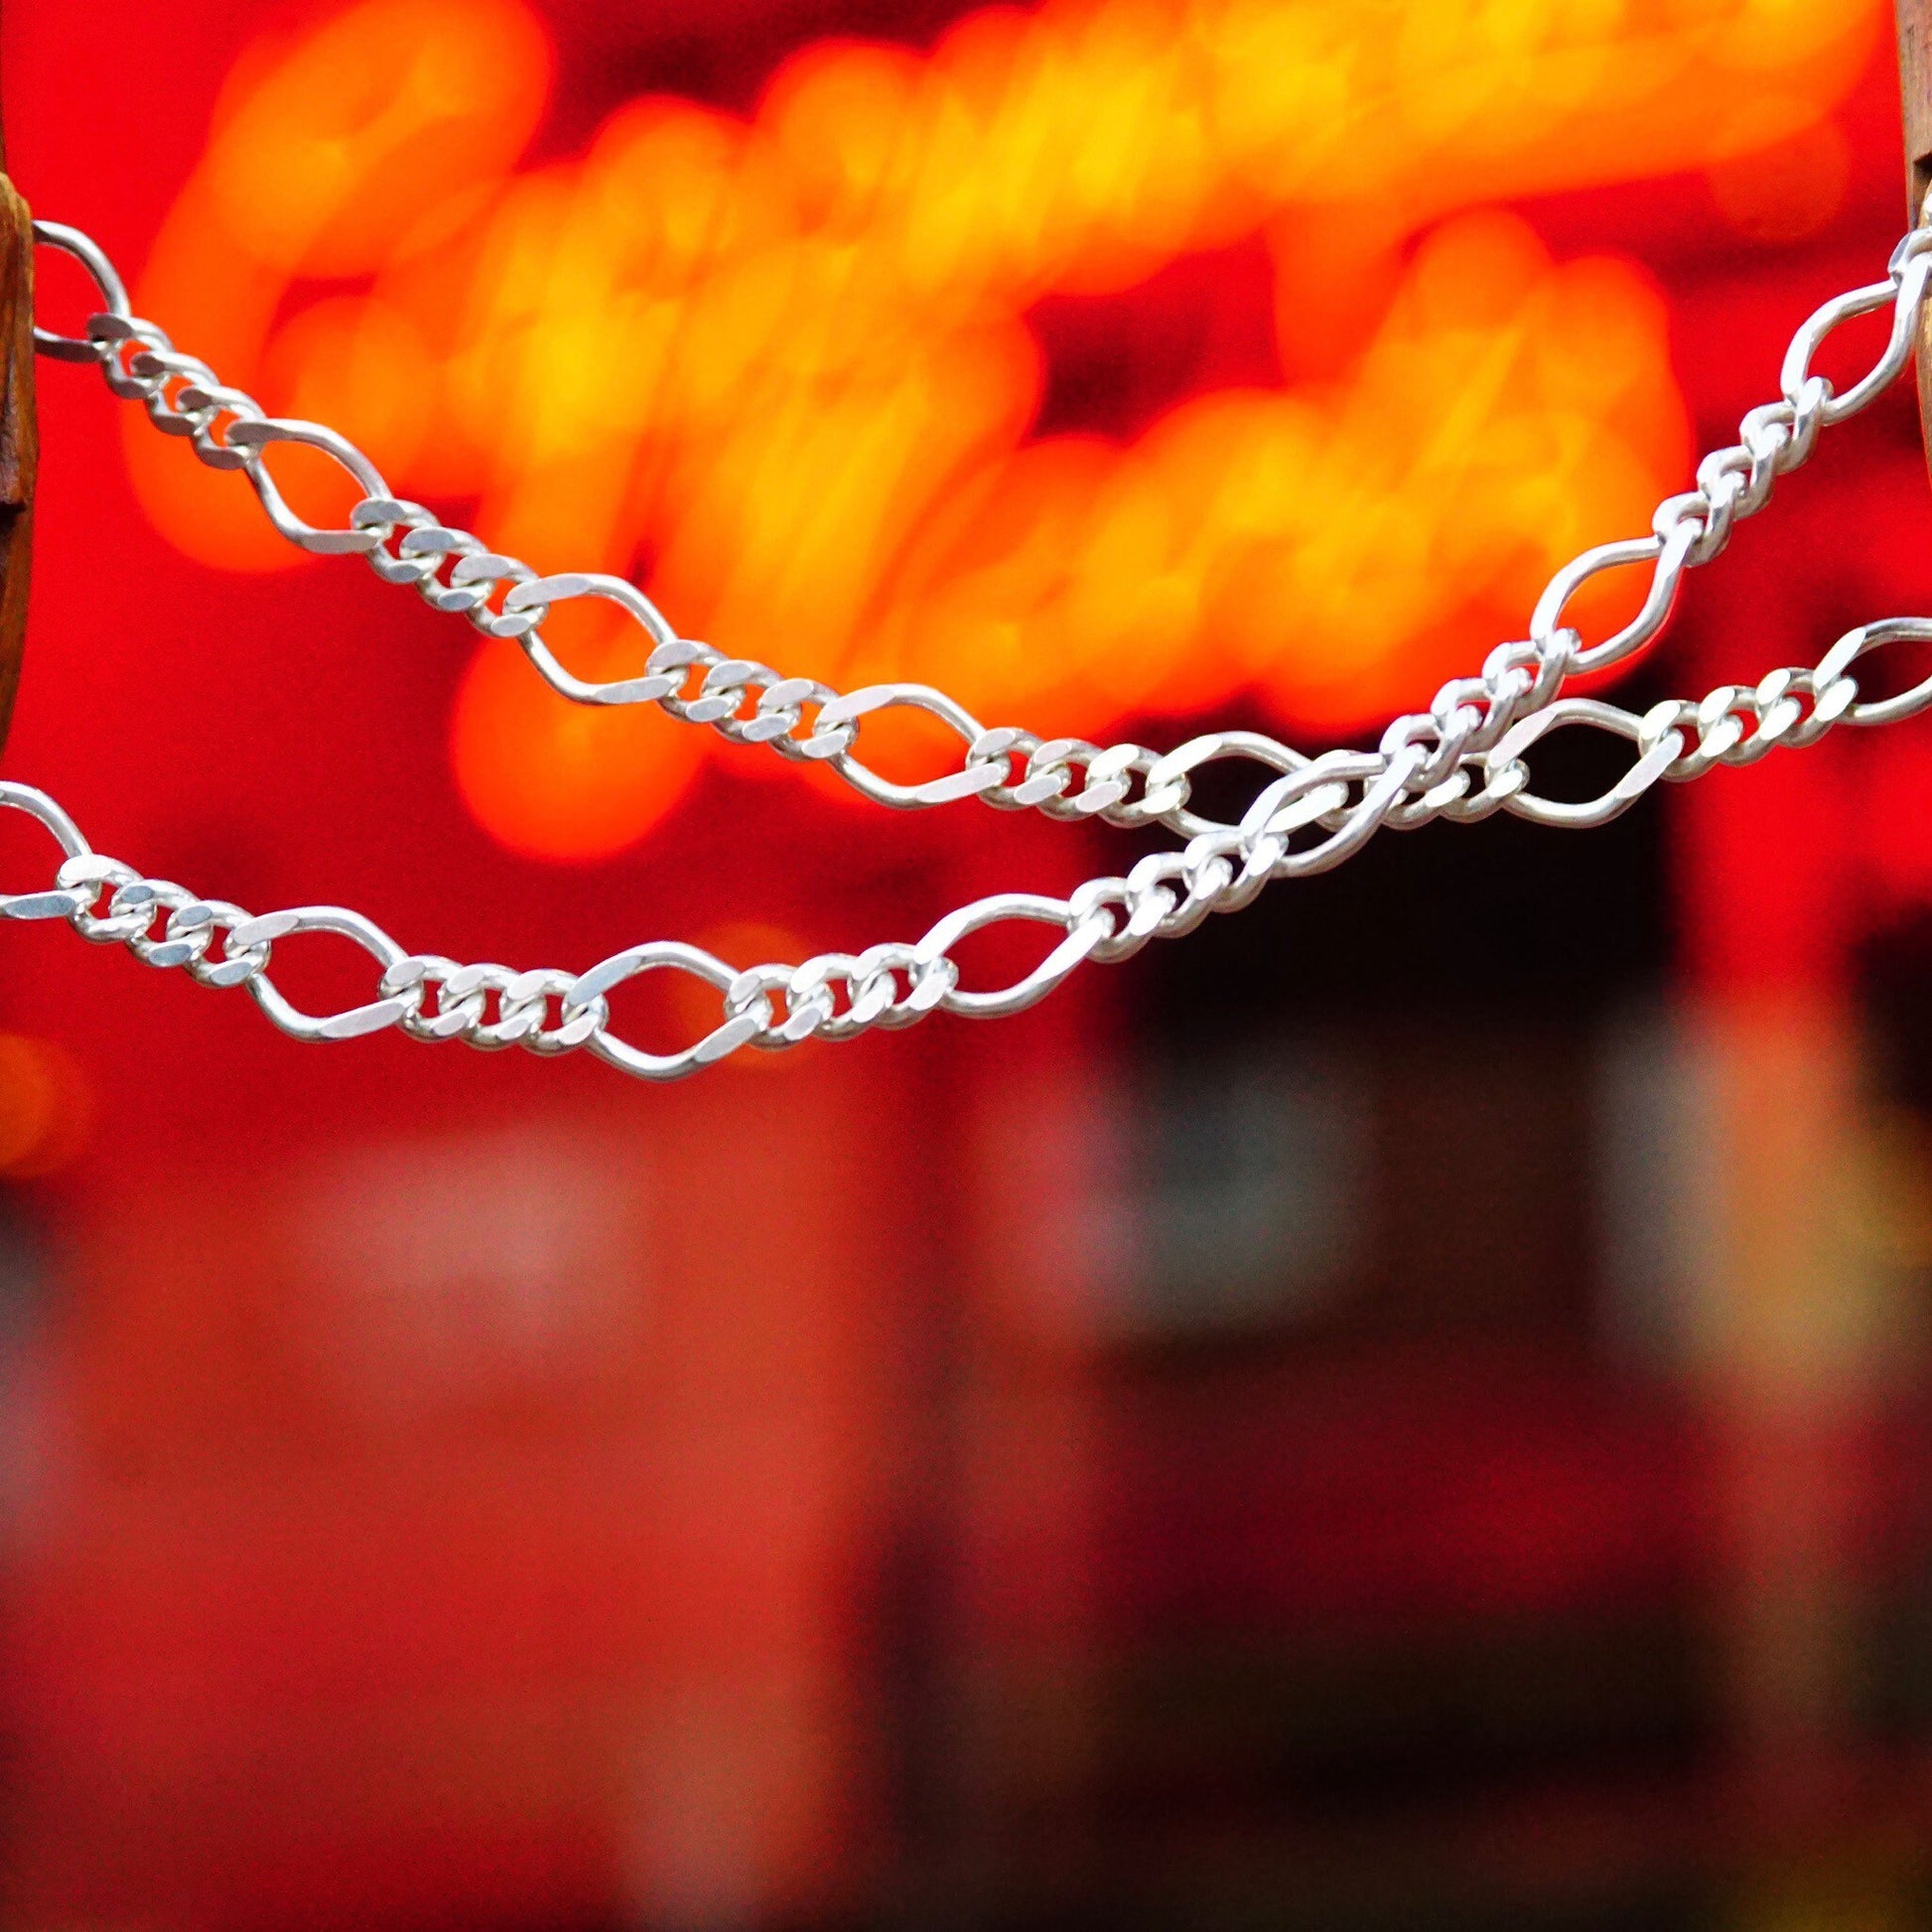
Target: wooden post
1915 89
19 437
1915 86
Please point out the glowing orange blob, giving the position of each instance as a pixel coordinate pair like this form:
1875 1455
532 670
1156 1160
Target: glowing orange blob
562 780
356 147
46 1107
789 357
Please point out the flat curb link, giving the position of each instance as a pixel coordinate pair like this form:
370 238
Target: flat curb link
1464 758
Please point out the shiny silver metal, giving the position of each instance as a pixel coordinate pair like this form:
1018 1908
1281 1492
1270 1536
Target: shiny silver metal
1464 758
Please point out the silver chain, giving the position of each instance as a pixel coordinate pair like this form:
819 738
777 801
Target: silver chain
1464 758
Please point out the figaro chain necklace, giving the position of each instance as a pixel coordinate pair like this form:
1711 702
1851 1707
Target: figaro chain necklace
1464 758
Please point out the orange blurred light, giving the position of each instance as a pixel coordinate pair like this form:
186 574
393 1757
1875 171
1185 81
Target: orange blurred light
46 1108
561 780
788 359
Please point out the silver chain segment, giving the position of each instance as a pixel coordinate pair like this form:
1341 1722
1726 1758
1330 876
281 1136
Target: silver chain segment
837 996
454 569
750 703
1462 759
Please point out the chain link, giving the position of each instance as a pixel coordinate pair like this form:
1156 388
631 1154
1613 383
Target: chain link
1464 758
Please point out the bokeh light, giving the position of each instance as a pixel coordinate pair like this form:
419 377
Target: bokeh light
1412 1405
782 366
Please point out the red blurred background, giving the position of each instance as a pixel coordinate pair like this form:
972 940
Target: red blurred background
1407 1407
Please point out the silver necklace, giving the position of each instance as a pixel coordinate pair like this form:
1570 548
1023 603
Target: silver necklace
1464 758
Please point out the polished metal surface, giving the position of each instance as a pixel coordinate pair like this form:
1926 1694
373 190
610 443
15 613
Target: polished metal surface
1464 758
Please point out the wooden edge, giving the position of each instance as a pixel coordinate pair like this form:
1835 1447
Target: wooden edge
19 439
1915 94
